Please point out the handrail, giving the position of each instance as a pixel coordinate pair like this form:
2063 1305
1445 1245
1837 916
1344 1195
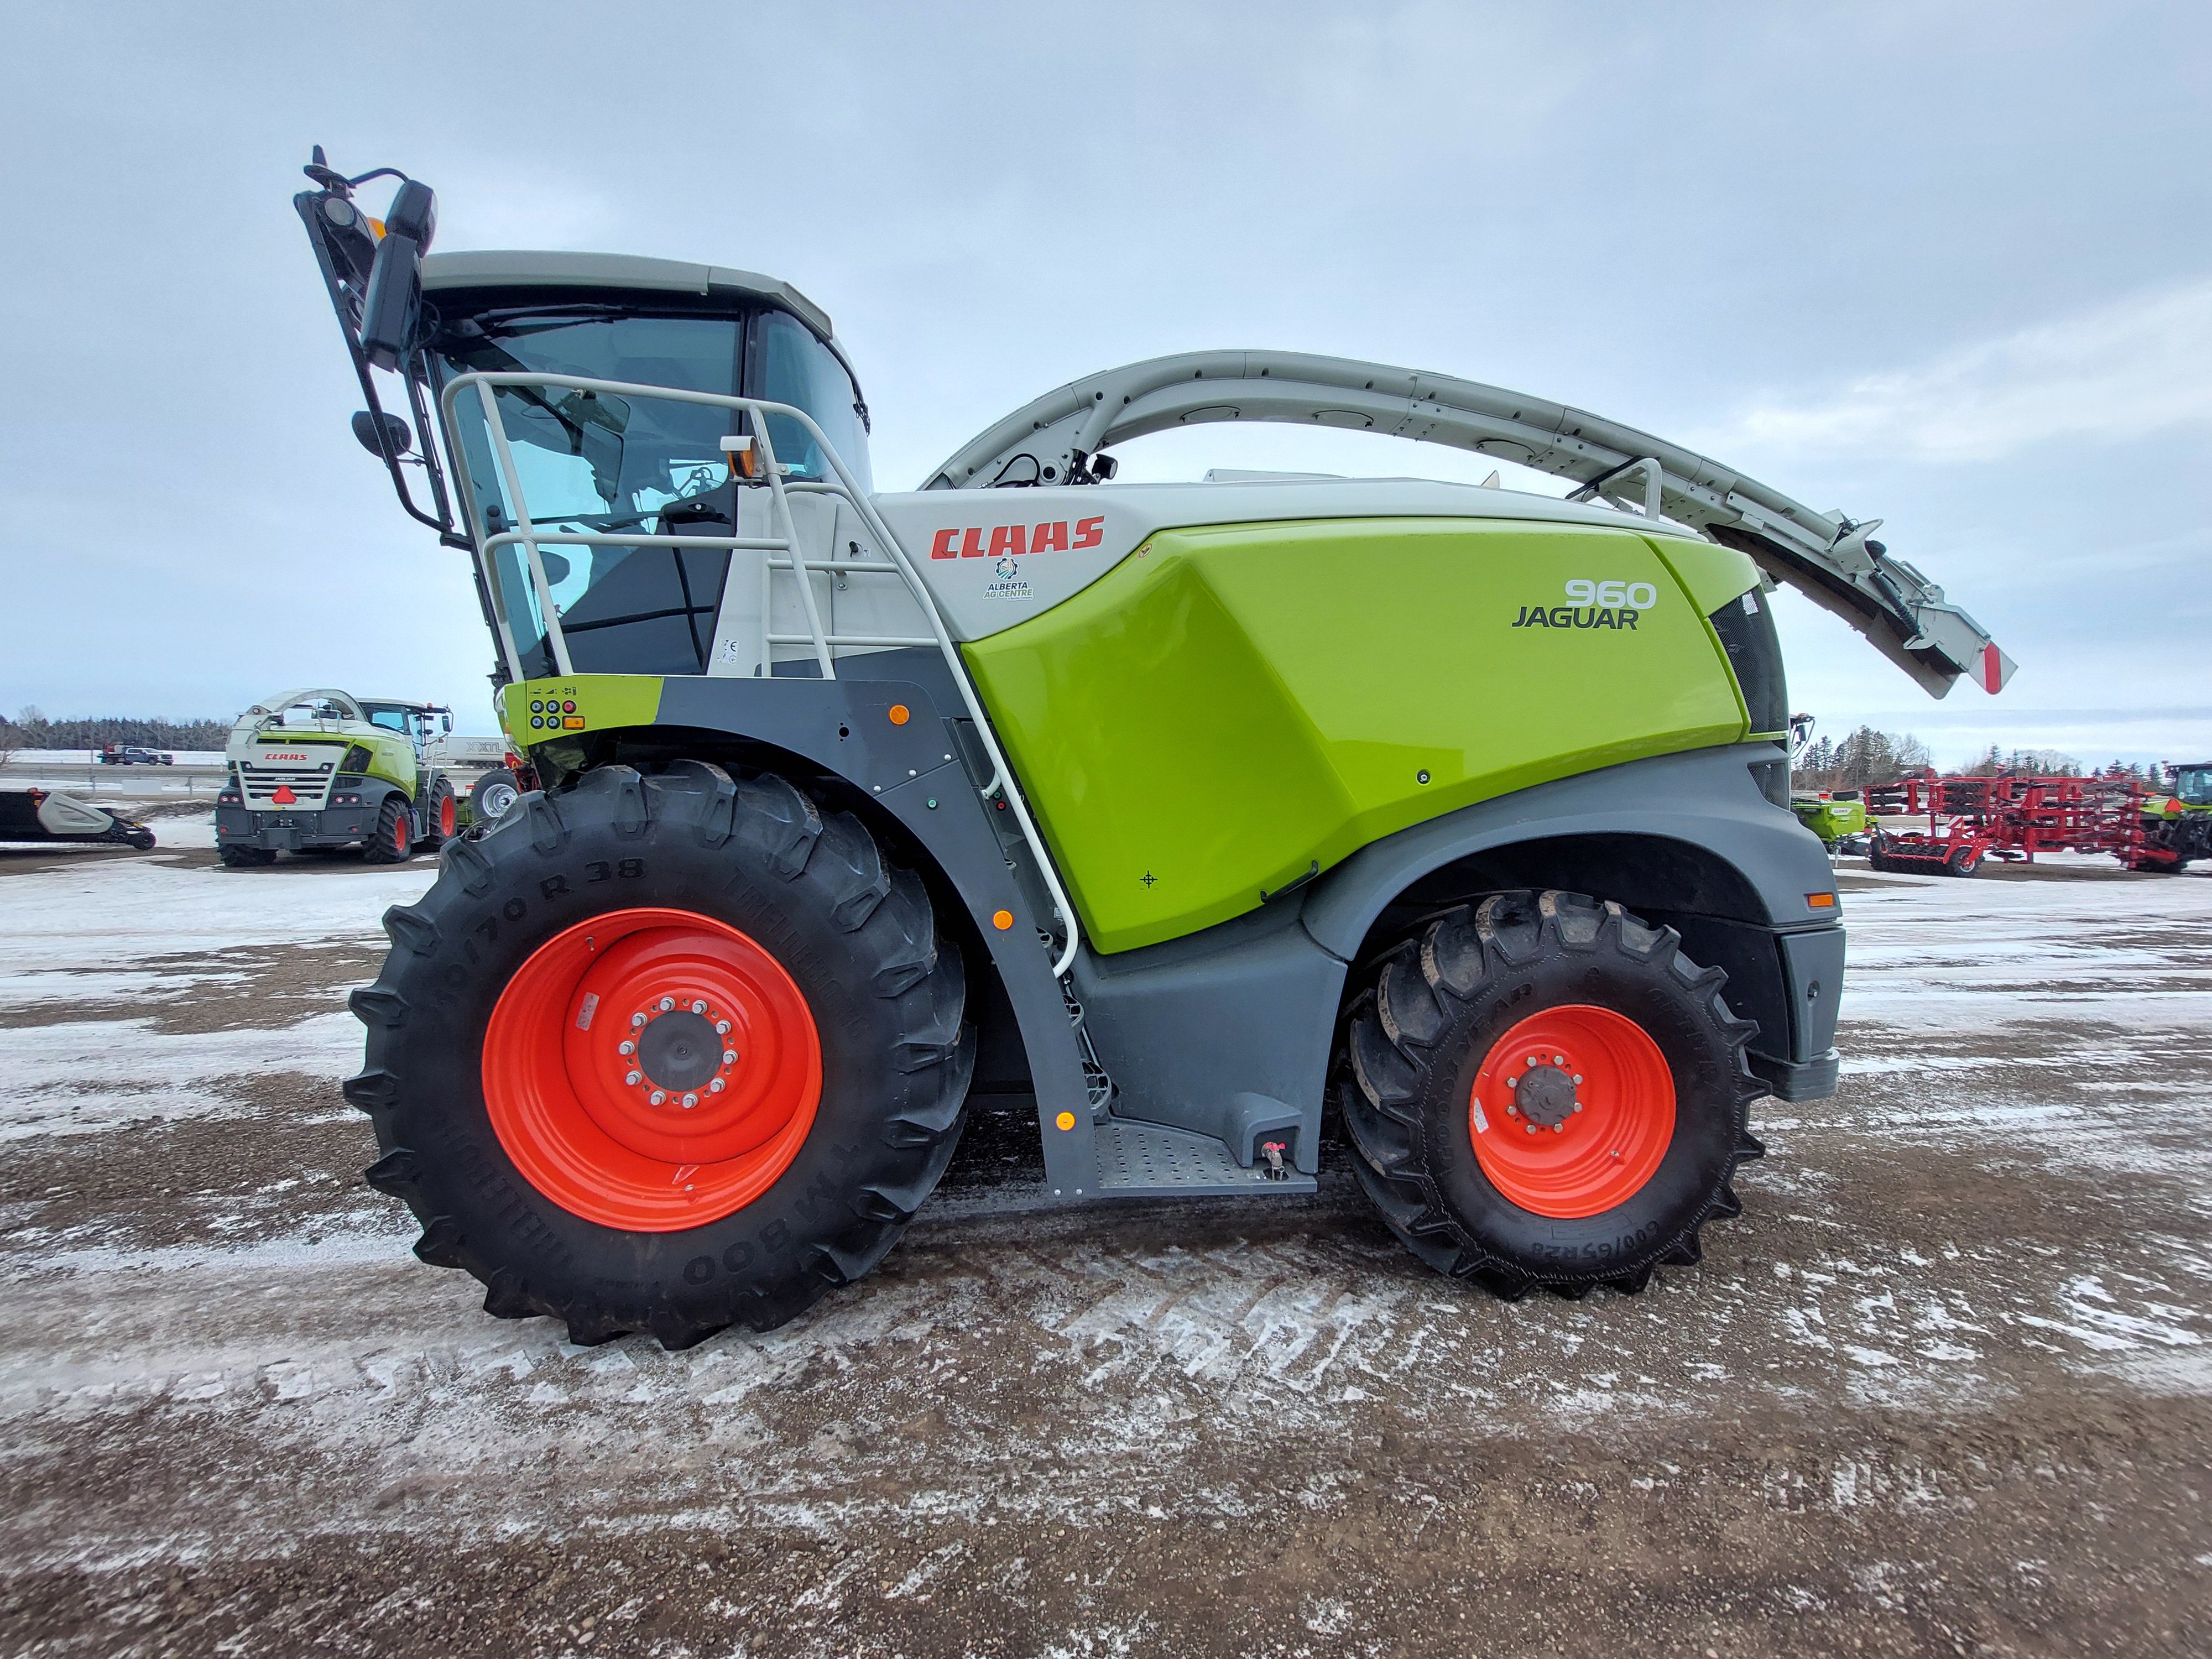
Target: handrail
847 489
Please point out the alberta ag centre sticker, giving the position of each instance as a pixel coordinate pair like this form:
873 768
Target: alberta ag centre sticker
1616 605
1006 581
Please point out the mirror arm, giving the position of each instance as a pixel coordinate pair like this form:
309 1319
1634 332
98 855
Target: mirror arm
305 202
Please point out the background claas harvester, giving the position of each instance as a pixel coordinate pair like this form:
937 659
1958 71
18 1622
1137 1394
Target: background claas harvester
1206 815
318 771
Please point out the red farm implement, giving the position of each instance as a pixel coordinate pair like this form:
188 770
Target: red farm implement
2014 817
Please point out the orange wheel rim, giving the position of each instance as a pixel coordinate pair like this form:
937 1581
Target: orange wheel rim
652 1070
446 815
1572 1111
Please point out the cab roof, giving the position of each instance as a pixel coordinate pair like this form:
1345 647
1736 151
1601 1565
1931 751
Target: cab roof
497 269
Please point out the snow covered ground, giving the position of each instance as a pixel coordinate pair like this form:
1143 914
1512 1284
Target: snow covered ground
1946 1381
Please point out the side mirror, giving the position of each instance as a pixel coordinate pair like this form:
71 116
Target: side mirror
394 298
396 430
449 726
413 213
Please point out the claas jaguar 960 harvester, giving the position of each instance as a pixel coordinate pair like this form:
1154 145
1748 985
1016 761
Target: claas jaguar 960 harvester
1209 816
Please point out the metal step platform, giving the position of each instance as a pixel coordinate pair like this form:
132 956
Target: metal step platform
1142 1160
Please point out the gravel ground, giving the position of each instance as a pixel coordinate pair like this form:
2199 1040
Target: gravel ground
1943 1388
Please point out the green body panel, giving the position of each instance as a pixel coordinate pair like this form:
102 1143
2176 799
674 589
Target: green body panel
393 759
601 701
1831 820
1711 575
1231 706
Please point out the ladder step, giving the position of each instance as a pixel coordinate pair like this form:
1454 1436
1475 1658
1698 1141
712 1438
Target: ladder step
1137 1160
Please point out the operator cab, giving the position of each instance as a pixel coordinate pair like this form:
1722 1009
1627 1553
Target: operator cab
601 463
411 721
2192 783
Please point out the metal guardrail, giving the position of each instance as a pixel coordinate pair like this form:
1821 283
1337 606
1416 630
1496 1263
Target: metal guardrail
784 550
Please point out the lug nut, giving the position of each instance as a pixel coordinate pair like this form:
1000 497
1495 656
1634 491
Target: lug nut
697 1006
1558 1128
1579 1105
658 1095
1512 1082
636 1020
667 1005
625 1046
690 1101
729 1056
1511 1110
715 1087
632 1078
1578 1077
1532 1128
1558 1059
721 1028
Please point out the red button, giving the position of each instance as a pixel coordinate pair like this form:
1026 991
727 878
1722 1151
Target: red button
568 708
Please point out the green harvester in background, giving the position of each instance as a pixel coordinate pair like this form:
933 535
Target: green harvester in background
1835 816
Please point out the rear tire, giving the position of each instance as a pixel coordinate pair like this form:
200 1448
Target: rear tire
441 815
754 860
392 841
1477 1186
247 858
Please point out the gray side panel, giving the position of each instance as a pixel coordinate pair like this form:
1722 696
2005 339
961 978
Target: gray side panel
1706 798
1225 1033
1813 966
844 725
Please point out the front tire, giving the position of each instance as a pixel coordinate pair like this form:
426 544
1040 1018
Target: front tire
536 1165
1544 1092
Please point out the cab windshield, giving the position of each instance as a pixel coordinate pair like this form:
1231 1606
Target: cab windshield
607 463
2194 784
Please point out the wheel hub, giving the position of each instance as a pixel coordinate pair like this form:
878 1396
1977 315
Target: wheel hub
1544 1094
679 1052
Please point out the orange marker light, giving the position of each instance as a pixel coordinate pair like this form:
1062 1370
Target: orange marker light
1065 1120
900 717
1821 901
1002 920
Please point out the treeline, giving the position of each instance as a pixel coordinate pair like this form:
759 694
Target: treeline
1856 759
1867 756
32 729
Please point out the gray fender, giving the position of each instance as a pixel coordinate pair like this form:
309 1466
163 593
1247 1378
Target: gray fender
1707 799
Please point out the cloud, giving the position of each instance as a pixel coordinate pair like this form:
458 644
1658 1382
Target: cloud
2139 366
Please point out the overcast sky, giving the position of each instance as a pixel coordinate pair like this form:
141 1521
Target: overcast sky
1948 266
